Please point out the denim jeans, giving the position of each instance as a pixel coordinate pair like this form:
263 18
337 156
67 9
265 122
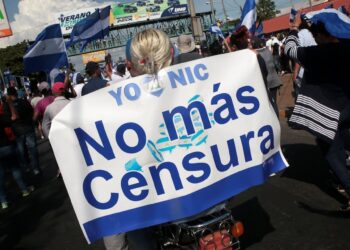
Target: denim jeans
336 155
8 159
24 142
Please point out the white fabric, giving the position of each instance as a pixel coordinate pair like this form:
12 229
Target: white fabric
47 47
78 88
249 19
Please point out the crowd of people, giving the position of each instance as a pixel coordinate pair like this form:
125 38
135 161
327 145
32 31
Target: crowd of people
320 77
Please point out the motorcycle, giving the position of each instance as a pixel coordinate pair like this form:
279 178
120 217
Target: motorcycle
215 229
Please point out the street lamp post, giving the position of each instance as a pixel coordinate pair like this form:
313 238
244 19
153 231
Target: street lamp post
196 22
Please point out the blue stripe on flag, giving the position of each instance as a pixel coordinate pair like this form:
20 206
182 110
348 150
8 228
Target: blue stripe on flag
93 27
216 30
46 60
86 23
45 63
52 31
105 12
335 22
248 17
185 206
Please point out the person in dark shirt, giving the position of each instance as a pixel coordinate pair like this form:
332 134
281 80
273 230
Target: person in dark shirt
24 129
187 47
95 82
323 105
8 158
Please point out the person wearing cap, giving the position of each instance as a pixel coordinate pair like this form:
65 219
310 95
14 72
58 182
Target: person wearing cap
40 107
58 90
95 82
323 105
187 47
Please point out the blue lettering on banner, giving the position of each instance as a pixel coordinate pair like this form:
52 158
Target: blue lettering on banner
84 139
226 107
128 188
198 166
89 196
141 135
183 77
132 91
184 206
168 171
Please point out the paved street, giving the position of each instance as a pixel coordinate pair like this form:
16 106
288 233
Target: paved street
294 210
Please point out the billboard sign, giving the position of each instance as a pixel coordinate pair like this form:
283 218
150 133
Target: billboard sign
144 10
67 20
5 29
97 56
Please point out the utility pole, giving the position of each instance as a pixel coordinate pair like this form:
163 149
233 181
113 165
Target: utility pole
212 10
196 22
224 8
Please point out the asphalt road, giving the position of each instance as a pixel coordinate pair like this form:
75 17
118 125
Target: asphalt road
293 210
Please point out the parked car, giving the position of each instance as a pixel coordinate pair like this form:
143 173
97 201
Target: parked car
141 3
152 8
130 9
158 1
173 2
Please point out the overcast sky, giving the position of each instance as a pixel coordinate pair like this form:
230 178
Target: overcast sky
28 17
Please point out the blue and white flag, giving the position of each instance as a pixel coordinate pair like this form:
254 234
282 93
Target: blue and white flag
260 30
93 27
293 15
343 10
248 17
47 52
214 29
335 22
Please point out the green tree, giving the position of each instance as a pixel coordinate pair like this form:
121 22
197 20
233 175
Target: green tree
266 9
12 57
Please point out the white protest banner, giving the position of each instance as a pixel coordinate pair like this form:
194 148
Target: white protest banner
145 152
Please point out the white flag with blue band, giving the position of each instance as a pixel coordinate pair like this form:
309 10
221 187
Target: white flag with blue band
335 22
248 17
93 27
214 29
47 52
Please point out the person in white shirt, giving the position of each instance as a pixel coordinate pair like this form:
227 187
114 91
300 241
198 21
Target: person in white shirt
79 84
119 74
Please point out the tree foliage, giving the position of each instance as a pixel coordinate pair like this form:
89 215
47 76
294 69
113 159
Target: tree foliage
12 57
266 9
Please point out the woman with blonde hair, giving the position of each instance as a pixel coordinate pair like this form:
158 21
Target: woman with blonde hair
149 52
